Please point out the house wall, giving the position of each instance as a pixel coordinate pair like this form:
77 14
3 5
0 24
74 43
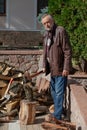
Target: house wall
20 15
20 39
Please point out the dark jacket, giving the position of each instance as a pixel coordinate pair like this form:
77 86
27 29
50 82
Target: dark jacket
59 51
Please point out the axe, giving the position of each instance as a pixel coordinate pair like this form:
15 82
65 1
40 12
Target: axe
6 95
29 77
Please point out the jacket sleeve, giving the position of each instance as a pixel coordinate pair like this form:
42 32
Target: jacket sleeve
66 47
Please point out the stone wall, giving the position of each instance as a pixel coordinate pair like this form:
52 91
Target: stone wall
27 60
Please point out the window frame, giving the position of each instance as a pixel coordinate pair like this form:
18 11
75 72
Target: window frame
4 9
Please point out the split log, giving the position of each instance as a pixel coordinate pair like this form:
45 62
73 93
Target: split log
44 85
27 112
5 68
51 126
3 83
12 113
51 108
3 87
4 77
2 91
38 81
7 78
64 123
3 112
12 105
28 92
6 71
6 119
16 88
4 101
41 109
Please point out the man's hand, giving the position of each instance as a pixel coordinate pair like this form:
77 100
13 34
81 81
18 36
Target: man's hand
65 73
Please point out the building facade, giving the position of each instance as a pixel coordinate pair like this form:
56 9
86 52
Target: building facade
20 15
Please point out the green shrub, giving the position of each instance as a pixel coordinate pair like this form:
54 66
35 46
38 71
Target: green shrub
72 14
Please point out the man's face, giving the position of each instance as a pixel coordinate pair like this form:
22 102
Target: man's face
47 23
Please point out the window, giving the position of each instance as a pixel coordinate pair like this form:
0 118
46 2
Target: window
41 4
2 7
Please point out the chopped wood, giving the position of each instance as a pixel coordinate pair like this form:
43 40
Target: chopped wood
12 94
1 67
64 123
3 83
44 85
6 119
38 81
4 102
51 126
15 77
19 75
3 112
4 77
6 71
51 108
2 92
12 113
18 87
27 112
28 92
41 108
12 105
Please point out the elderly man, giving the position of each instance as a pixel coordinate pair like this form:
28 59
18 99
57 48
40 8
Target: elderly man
56 60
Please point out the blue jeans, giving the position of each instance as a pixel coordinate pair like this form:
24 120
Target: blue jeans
58 86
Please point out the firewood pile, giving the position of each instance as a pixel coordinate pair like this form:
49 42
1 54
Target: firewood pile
22 98
15 86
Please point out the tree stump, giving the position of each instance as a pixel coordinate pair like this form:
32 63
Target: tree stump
27 112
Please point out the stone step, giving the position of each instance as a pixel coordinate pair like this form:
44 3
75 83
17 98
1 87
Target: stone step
79 106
